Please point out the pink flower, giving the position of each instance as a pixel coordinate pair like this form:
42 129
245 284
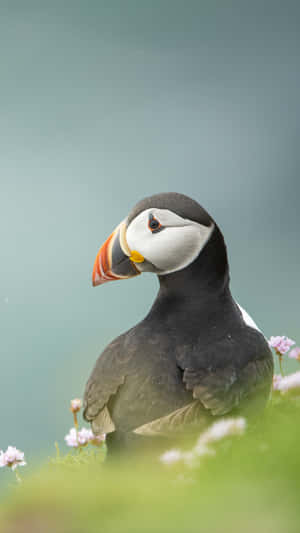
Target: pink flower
221 429
295 353
276 381
97 440
76 439
12 458
71 438
281 344
84 436
76 405
289 383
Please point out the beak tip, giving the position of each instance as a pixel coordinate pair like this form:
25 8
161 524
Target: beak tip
96 283
96 278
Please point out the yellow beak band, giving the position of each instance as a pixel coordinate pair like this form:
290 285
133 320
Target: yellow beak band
136 257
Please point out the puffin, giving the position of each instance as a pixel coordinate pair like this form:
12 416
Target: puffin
198 354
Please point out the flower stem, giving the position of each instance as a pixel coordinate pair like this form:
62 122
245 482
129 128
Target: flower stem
57 450
280 365
75 421
19 479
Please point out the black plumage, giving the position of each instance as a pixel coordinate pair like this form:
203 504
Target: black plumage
192 358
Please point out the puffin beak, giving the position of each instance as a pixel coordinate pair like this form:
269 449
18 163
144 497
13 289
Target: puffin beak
115 260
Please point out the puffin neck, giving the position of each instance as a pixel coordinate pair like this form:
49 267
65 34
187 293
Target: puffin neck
204 279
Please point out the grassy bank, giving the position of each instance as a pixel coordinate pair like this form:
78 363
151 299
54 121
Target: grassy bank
252 483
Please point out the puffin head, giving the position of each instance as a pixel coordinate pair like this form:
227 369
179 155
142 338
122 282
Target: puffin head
163 234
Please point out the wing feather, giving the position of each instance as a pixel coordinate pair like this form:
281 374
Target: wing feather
106 378
232 373
183 419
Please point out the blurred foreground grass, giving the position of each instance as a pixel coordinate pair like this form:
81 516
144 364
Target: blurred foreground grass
251 484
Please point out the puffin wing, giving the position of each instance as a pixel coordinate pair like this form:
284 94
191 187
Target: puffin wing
216 393
233 373
235 369
107 376
188 418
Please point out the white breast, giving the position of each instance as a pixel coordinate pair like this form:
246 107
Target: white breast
247 318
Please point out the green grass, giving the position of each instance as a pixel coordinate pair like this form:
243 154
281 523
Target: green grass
251 484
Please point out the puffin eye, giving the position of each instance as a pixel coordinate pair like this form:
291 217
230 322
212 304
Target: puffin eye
153 224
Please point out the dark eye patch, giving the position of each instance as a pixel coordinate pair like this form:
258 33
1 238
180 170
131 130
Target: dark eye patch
153 224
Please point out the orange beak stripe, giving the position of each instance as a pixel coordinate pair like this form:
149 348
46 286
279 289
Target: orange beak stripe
101 270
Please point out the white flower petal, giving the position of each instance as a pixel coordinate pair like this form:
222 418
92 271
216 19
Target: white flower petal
171 457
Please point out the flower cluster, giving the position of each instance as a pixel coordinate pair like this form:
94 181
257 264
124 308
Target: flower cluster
281 344
295 353
76 405
276 382
226 427
221 429
171 456
281 383
285 384
77 439
12 458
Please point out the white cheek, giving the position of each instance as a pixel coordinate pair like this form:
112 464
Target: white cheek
175 248
171 249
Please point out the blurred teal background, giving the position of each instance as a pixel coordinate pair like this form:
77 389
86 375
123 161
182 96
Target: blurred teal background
103 103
